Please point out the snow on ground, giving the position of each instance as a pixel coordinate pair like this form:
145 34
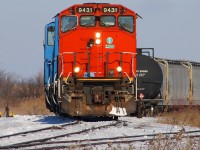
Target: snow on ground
19 123
131 126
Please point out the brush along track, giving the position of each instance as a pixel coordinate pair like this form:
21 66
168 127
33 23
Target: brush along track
112 140
41 141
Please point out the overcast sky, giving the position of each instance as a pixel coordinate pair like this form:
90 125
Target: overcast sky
172 27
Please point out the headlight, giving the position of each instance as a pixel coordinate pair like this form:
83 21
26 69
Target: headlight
119 69
98 41
98 35
76 69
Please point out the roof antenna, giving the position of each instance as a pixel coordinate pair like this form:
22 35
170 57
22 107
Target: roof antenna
138 16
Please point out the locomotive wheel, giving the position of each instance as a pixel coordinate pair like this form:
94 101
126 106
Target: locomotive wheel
58 111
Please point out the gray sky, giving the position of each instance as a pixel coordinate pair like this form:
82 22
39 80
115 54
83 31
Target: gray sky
172 27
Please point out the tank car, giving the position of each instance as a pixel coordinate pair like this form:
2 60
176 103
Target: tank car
90 63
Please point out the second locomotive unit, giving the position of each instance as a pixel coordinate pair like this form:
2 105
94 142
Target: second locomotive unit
90 62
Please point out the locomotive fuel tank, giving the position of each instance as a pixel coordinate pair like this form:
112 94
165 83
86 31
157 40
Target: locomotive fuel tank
149 76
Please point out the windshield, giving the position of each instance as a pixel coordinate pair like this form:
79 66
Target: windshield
126 23
87 21
68 23
107 21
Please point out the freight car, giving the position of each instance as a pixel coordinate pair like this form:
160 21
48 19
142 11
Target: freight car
92 66
167 83
181 84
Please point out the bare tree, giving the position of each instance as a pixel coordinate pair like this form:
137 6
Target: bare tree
30 87
7 83
39 84
24 88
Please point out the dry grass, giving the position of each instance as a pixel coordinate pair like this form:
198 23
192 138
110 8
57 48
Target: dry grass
183 116
34 106
177 141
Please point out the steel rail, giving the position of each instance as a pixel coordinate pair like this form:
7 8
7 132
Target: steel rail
114 140
42 129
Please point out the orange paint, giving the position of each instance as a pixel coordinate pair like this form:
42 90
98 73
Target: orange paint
113 40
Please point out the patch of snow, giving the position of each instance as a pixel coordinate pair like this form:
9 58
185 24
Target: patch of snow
118 111
129 126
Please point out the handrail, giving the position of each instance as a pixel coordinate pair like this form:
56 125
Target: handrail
107 56
74 54
63 61
132 66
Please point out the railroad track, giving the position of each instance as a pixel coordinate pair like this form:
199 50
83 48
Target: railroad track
48 143
111 140
42 140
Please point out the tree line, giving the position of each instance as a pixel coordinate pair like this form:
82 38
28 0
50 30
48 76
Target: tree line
17 88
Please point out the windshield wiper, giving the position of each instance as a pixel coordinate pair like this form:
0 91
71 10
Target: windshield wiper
104 23
122 26
126 27
88 24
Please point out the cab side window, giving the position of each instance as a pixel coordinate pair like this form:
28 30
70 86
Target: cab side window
68 23
126 23
50 35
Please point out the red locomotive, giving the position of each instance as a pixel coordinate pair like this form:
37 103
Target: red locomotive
90 61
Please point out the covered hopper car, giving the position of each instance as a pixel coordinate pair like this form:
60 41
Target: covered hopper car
181 82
